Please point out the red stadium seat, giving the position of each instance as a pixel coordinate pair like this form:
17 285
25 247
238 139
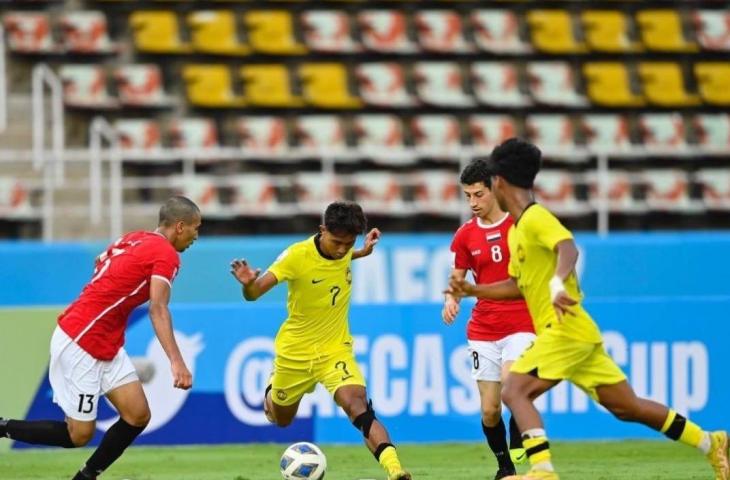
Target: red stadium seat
436 131
378 131
488 131
378 192
668 190
262 134
194 133
441 84
139 134
553 83
314 191
662 130
141 86
328 31
383 85
441 31
438 192
550 130
605 132
619 190
556 190
713 29
385 31
202 190
320 132
15 199
498 31
29 32
85 86
715 183
497 84
713 130
86 32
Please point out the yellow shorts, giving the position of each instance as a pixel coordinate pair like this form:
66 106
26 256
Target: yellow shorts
587 365
291 379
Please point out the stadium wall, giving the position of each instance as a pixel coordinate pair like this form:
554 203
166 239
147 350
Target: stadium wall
661 300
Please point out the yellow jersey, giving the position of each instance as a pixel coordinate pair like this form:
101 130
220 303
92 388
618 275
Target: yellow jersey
532 240
317 303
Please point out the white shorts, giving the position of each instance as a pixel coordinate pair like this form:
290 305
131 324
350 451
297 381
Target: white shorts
489 356
78 379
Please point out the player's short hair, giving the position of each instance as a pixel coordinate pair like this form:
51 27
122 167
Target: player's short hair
178 208
477 171
345 217
517 161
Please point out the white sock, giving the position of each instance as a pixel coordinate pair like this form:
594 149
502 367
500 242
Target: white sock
544 467
534 433
705 443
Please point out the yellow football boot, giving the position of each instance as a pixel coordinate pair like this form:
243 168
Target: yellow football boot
718 455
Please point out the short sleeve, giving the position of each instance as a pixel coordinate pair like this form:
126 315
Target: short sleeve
166 265
462 258
285 267
547 229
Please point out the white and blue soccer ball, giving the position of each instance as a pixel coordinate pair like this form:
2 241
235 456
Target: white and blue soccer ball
303 460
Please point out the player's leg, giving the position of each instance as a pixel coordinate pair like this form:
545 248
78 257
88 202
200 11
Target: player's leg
290 380
512 348
280 415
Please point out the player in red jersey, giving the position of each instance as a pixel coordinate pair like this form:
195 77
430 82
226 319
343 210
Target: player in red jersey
87 355
498 331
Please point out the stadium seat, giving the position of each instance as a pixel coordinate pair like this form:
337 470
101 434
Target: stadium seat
383 85
556 190
663 85
438 192
498 31
139 134
551 31
214 32
210 86
436 132
202 190
378 131
314 191
272 32
86 32
85 86
713 29
619 191
29 32
550 130
488 131
661 31
325 85
714 82
328 31
378 192
552 83
605 132
141 86
194 133
157 31
668 190
268 85
385 31
497 84
608 85
255 195
440 84
14 199
607 31
325 132
441 31
713 130
265 134
662 130
715 184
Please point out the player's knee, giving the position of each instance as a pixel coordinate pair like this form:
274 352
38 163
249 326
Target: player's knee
491 415
364 421
509 394
80 437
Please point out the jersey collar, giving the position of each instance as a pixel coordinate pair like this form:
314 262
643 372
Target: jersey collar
481 224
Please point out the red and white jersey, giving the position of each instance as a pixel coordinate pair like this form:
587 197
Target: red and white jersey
121 282
482 248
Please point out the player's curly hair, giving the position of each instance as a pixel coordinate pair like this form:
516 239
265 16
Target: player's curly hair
477 171
517 161
345 217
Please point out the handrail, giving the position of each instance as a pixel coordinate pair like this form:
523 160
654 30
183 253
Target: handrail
3 84
99 130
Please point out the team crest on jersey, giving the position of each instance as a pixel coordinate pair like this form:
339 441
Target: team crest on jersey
494 236
520 253
348 276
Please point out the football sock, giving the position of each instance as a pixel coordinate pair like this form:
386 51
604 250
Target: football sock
497 440
515 437
678 428
115 441
39 432
537 448
388 458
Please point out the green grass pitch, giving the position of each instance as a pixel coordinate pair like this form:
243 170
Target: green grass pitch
632 460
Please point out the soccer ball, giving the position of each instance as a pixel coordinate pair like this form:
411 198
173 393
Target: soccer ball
303 460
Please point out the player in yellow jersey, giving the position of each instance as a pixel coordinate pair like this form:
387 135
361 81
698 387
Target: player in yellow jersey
314 344
568 344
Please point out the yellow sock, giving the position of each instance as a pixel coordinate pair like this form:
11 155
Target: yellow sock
389 460
538 450
677 427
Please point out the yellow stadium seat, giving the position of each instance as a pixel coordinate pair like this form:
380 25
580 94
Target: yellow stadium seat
272 31
607 31
268 86
325 85
714 82
664 85
608 84
661 30
156 31
551 31
214 31
210 86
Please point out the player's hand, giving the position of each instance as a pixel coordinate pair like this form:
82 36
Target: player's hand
243 271
371 239
459 287
450 311
561 300
181 376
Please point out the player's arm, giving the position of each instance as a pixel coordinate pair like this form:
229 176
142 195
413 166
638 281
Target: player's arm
567 258
503 290
253 283
162 323
451 302
371 239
